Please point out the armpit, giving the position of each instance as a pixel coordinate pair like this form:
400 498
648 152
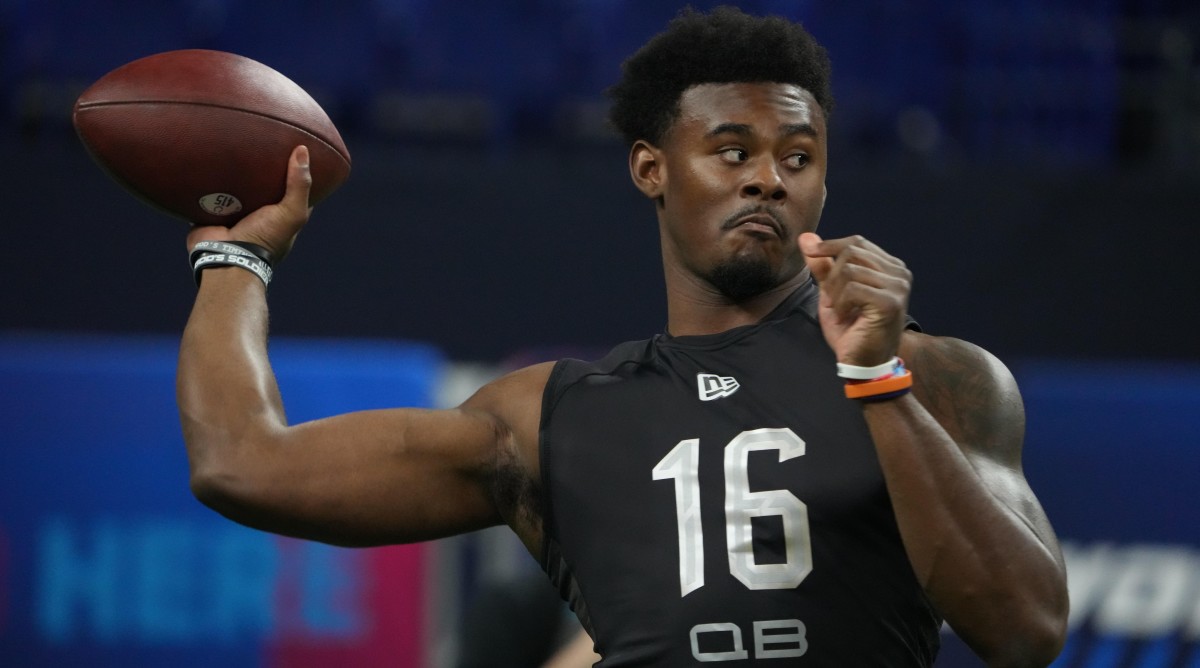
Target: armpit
518 496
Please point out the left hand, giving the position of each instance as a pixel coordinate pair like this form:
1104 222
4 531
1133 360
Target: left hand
864 297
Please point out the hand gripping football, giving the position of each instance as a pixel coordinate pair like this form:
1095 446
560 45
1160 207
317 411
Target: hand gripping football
206 135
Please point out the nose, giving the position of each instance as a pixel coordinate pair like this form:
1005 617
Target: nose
764 182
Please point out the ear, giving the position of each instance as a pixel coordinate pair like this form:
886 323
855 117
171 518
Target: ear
648 169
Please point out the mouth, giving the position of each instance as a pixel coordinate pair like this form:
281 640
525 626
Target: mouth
759 222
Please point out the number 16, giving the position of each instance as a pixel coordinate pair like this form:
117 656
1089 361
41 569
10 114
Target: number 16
682 465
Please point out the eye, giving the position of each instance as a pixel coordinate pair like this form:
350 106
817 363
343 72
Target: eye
796 161
734 155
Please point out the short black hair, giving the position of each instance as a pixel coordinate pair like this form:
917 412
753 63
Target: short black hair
723 46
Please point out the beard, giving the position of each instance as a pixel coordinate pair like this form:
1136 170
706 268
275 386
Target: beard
740 278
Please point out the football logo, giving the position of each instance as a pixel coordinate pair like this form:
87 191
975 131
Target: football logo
712 386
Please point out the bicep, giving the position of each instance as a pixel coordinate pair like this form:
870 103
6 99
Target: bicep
365 478
975 398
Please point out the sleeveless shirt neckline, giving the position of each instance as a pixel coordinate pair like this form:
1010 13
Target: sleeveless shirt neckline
804 298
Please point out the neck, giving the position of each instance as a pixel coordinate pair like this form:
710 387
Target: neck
695 308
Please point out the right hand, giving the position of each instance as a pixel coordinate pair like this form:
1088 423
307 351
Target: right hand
864 297
274 226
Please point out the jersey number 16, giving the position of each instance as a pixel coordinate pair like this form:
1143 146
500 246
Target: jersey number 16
682 465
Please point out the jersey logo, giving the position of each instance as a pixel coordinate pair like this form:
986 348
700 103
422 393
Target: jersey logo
712 386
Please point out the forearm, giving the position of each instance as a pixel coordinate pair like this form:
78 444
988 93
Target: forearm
984 564
226 391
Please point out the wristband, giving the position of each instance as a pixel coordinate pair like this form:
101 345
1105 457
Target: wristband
234 247
250 263
888 387
851 372
248 256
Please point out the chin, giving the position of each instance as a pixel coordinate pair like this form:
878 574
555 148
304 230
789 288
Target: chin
743 277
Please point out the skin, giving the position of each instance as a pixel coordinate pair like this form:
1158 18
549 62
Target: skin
739 176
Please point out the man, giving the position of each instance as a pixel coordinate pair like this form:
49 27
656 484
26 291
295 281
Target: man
790 475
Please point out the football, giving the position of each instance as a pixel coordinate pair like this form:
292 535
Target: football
206 135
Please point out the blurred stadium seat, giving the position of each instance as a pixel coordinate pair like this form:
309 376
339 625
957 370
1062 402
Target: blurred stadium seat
1057 82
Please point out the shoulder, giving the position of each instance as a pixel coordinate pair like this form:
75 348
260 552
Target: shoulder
621 361
513 403
969 391
950 364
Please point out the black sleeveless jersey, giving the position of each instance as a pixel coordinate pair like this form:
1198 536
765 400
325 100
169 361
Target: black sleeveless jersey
718 499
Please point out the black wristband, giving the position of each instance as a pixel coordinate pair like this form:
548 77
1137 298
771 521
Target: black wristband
248 256
233 248
258 251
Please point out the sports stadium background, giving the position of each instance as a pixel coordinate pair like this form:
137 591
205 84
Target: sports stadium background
1037 164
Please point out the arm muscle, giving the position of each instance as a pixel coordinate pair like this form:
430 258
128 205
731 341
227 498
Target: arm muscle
366 478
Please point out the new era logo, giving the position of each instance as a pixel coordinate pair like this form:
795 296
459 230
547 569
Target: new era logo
712 386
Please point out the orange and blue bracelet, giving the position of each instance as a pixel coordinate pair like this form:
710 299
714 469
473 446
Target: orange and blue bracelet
879 383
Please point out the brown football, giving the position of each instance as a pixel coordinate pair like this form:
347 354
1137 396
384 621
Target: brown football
205 135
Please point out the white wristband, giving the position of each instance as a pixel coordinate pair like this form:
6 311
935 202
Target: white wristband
851 372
